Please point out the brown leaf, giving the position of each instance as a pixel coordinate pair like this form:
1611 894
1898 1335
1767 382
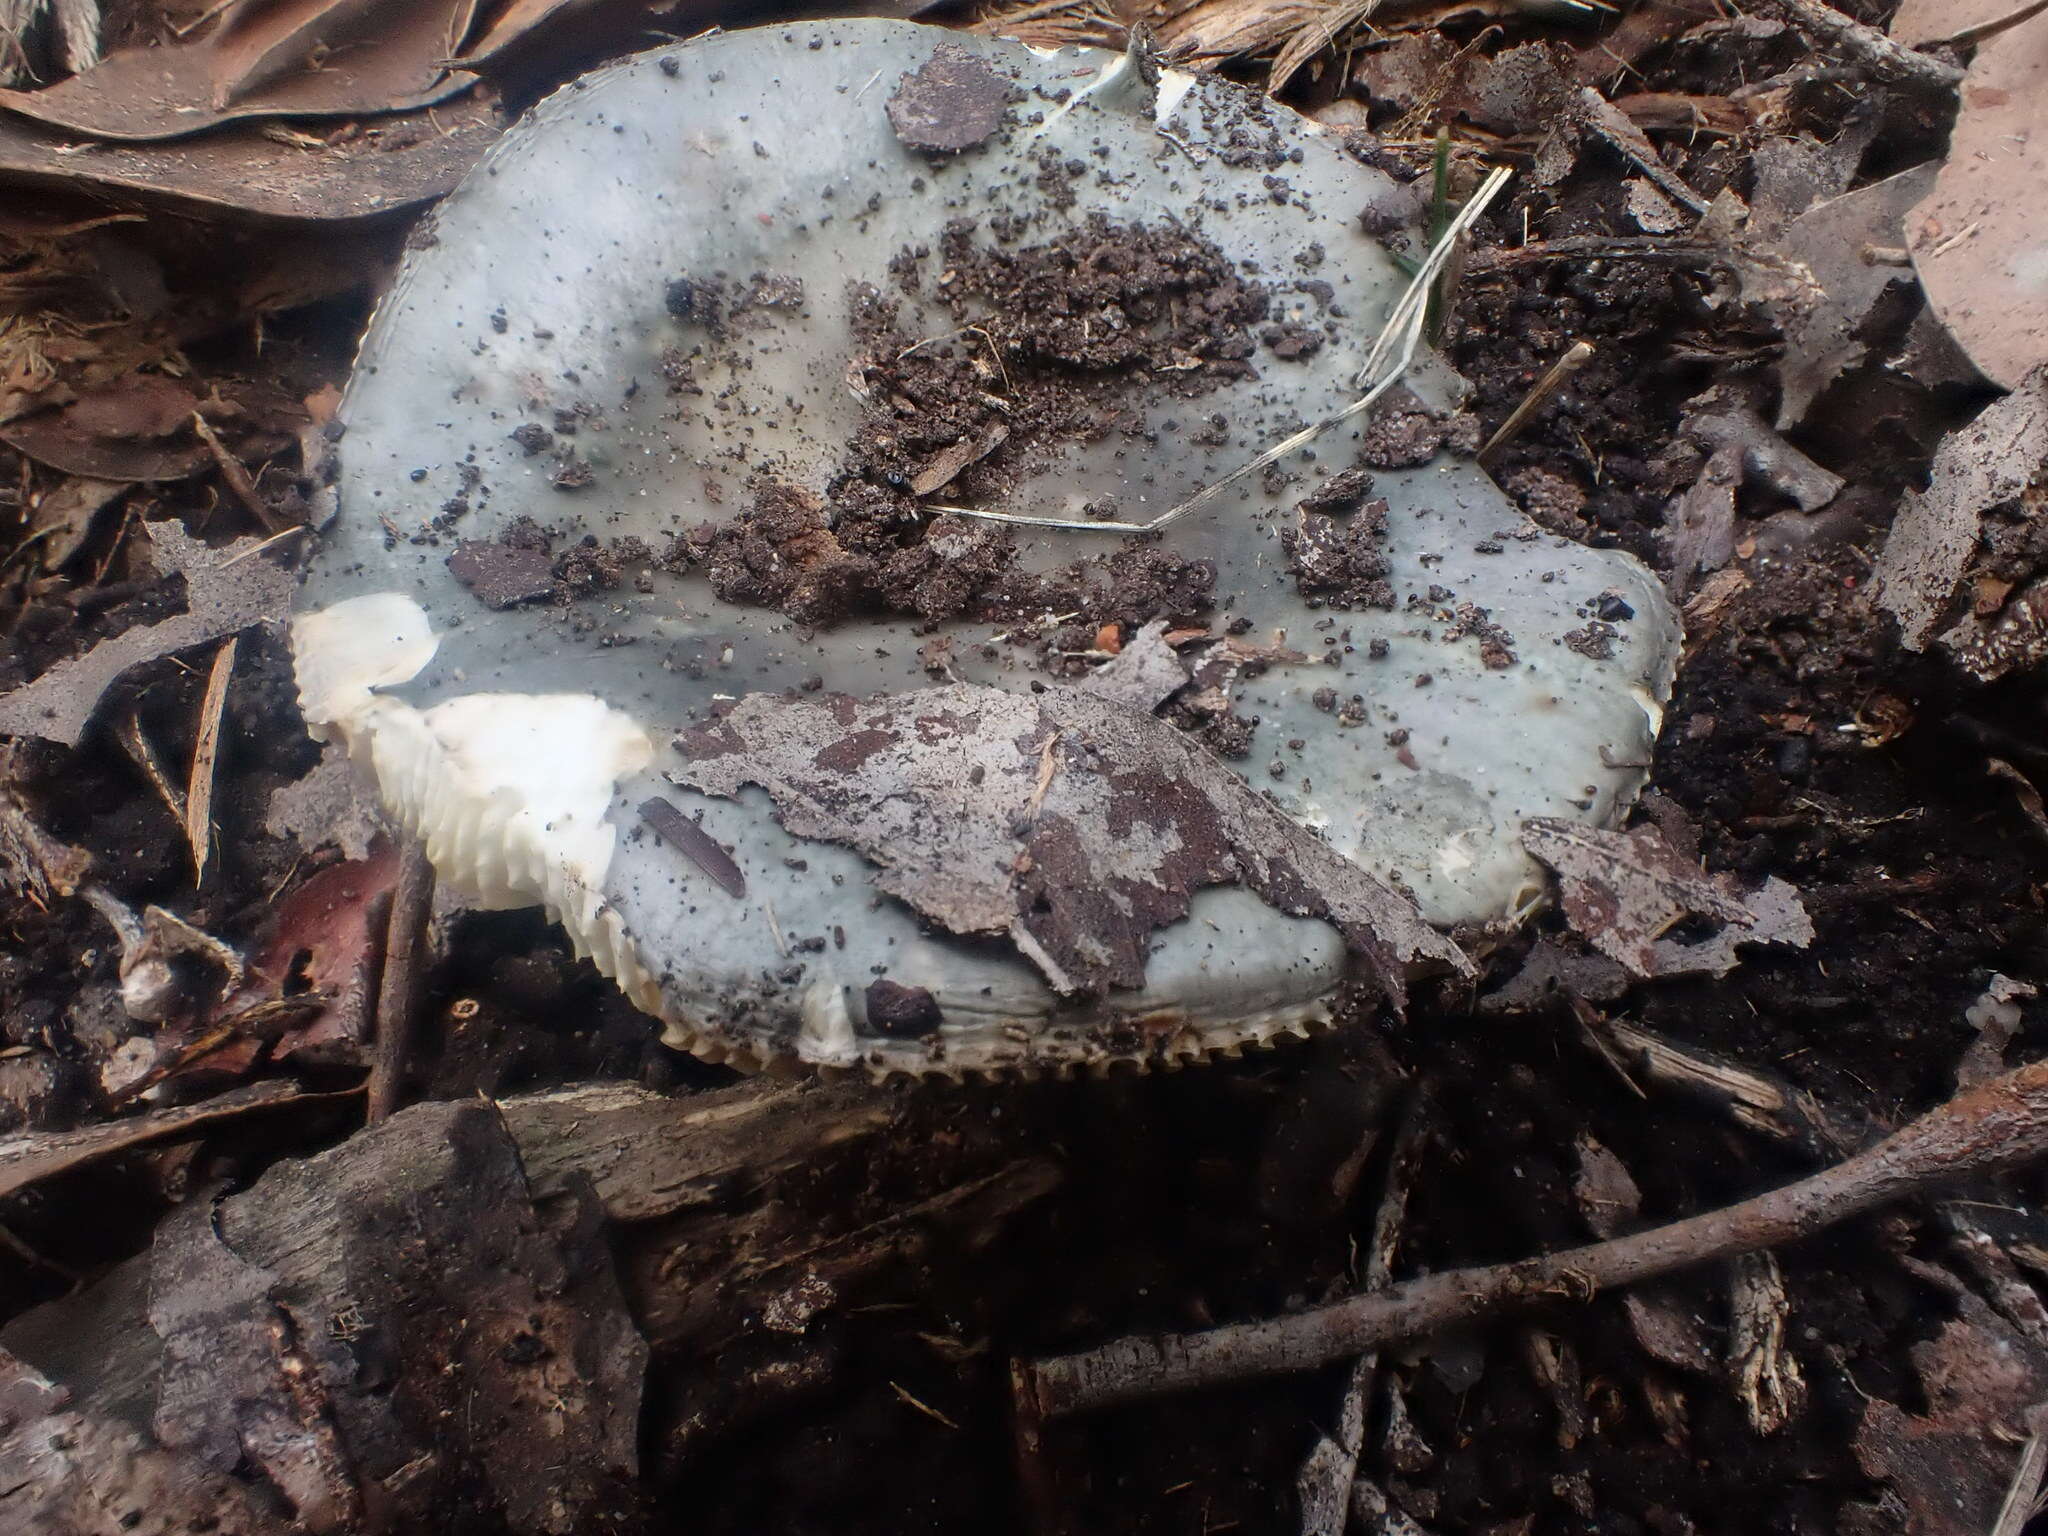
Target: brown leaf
1985 464
327 934
1625 890
263 61
388 164
1978 240
1075 826
135 428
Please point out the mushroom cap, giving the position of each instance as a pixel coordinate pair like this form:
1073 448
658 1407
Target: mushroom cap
737 213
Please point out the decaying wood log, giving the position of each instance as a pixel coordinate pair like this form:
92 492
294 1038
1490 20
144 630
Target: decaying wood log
429 1316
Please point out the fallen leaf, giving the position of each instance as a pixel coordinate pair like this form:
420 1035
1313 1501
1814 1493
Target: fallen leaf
1624 891
326 936
1071 824
263 60
138 427
226 590
1825 333
1950 1465
66 514
1978 239
1987 463
392 163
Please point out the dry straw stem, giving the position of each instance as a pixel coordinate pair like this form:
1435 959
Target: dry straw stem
1992 1129
206 758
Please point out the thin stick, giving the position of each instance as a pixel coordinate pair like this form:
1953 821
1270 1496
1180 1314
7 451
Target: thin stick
1884 57
1993 1129
1969 37
206 759
398 991
1579 354
2022 1494
1393 353
1323 1485
236 473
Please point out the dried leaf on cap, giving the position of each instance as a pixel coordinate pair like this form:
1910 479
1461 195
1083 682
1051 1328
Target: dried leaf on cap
1073 825
226 590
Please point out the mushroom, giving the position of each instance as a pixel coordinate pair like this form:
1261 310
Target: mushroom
787 474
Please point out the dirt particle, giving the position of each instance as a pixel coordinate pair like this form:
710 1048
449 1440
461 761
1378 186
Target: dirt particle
952 103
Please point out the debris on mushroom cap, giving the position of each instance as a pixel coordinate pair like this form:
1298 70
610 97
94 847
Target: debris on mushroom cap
849 454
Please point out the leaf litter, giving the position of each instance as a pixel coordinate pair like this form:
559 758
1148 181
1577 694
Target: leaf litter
1075 825
1957 572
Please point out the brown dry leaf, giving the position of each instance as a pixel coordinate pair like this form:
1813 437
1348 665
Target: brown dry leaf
1978 240
36 1155
226 590
1623 891
998 813
1824 330
361 170
64 516
327 934
1950 1465
265 60
138 427
1986 464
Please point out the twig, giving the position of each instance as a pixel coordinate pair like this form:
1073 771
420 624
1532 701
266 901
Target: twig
236 474
2023 1493
1653 248
1882 56
206 758
1987 1130
1323 1485
128 732
398 991
1969 37
1579 354
2023 790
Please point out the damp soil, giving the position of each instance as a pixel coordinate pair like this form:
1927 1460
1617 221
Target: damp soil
1052 345
1801 743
